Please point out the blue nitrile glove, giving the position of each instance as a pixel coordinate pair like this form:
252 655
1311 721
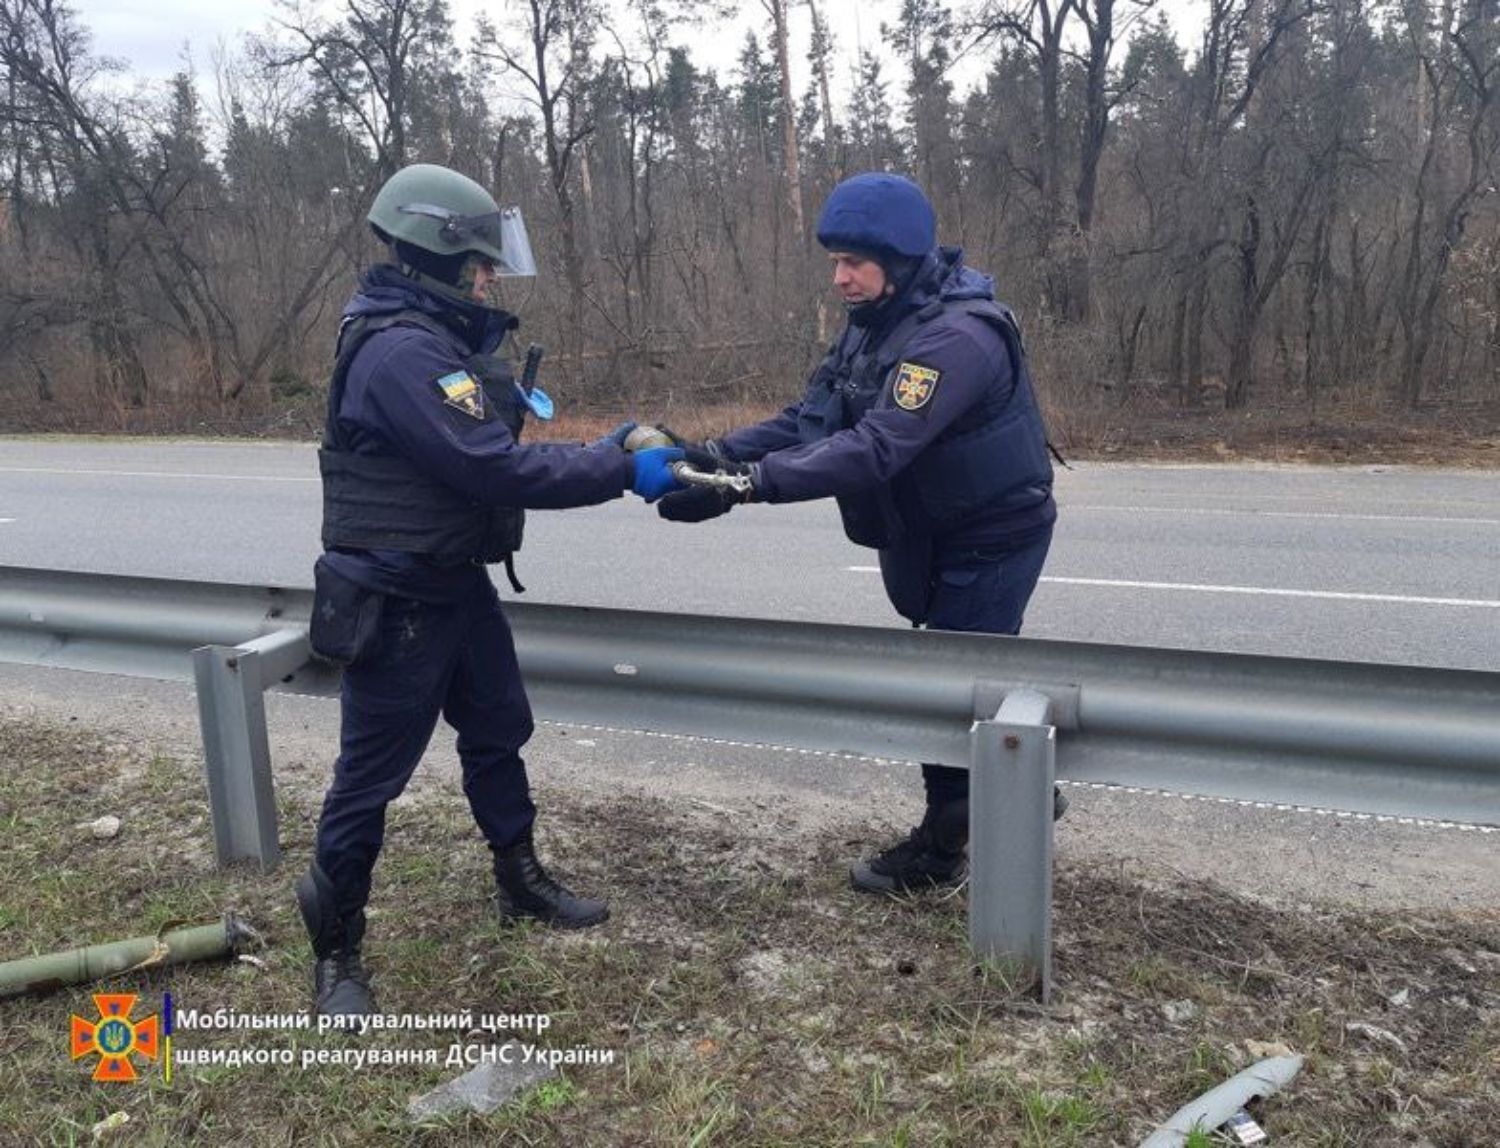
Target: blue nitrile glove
616 436
540 403
653 472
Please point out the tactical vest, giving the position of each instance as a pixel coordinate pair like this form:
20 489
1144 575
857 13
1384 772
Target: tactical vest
993 458
383 502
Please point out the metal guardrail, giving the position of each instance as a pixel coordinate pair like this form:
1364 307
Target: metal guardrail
1382 739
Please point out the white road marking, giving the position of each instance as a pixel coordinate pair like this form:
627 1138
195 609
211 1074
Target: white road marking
1270 591
1227 513
156 474
1278 592
1207 799
7 519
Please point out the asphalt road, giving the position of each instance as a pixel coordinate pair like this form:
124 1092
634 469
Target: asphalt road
1371 563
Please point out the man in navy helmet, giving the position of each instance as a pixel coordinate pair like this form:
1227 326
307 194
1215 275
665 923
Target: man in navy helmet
922 422
424 481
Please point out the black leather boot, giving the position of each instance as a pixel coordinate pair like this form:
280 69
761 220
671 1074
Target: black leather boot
931 857
340 982
933 854
527 891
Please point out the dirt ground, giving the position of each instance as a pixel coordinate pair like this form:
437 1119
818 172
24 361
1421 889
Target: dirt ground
1148 428
1157 432
748 996
1449 439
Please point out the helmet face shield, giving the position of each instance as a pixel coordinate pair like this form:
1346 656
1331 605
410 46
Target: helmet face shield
499 236
515 246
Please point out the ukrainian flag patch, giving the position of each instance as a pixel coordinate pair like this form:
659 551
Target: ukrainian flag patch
461 392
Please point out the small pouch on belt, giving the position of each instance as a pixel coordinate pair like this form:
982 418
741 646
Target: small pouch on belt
345 617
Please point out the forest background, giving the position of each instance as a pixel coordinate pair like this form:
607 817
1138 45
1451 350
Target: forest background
1288 218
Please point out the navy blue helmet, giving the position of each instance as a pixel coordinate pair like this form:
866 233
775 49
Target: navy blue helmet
878 213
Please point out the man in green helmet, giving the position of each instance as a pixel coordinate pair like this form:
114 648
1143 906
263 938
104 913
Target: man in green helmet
424 481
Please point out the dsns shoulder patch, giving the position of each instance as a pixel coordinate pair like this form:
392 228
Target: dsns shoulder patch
914 386
463 393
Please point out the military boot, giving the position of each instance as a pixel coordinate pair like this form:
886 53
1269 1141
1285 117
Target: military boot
340 982
932 856
528 891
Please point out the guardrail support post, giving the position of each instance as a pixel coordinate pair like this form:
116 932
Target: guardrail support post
231 684
1010 835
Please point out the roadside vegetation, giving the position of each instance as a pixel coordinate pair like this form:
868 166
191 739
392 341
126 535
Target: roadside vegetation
1260 206
750 998
1146 431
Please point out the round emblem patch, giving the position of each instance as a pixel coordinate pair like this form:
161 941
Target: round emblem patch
914 386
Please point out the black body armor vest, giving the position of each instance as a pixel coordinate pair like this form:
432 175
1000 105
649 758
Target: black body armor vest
383 502
993 458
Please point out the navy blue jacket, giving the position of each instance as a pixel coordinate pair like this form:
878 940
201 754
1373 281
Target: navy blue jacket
394 402
957 374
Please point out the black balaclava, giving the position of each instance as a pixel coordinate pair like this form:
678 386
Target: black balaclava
481 325
451 270
900 272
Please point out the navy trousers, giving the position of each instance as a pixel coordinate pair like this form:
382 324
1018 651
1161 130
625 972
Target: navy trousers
979 592
456 659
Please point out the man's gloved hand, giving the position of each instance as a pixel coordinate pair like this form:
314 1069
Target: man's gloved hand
616 436
700 503
700 458
653 472
706 456
697 504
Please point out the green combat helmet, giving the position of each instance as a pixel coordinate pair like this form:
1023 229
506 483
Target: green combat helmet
444 213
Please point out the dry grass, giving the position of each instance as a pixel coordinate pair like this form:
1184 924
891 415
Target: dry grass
1146 428
751 998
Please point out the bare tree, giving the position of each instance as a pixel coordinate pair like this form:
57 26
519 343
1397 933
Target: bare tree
1038 27
1458 51
553 65
1305 196
71 152
1100 100
368 61
777 10
820 51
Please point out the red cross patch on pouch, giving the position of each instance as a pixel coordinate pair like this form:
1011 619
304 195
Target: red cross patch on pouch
914 386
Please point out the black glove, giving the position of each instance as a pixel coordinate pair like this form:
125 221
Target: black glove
697 504
702 456
700 503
